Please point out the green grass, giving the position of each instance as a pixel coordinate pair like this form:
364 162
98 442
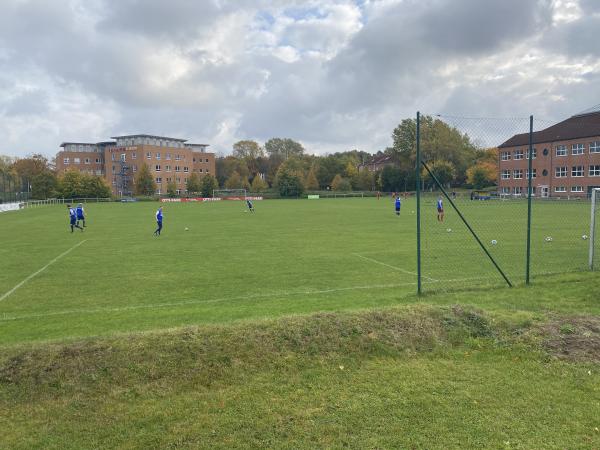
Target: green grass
290 257
296 327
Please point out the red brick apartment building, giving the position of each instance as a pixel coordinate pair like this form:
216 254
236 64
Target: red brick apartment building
566 159
169 159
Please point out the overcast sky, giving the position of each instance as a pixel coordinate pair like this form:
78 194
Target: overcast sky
334 75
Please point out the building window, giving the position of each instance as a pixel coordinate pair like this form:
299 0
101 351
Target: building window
158 156
177 169
134 168
177 157
158 180
561 150
577 149
206 160
533 173
576 188
505 174
168 156
517 190
186 169
148 155
157 168
560 172
133 156
66 161
98 172
168 168
518 154
577 171
505 190
595 171
206 170
112 157
533 153
113 169
97 160
179 180
87 160
518 174
595 147
169 179
560 189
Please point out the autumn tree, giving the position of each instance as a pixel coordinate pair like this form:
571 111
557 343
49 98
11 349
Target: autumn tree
144 182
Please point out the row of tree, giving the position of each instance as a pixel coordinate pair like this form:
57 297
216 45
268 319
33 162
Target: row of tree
283 165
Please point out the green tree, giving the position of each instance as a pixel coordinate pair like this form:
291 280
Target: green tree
439 142
144 183
247 150
258 184
70 185
93 186
365 181
286 148
444 171
171 189
207 185
290 178
27 168
44 185
193 184
340 184
234 181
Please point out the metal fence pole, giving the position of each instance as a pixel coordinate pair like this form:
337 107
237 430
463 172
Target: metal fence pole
530 165
418 183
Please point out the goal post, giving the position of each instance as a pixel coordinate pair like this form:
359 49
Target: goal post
230 194
595 206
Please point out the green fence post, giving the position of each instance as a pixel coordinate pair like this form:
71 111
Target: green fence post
530 165
418 190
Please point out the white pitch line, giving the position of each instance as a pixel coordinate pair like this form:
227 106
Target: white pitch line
392 267
41 270
201 302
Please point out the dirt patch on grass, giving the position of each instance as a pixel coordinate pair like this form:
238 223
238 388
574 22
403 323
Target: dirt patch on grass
573 338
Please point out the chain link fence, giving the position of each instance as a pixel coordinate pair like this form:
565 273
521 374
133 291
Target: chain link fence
490 232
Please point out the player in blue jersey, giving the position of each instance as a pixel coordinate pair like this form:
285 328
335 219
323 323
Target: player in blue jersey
440 210
80 214
159 219
73 218
398 205
250 205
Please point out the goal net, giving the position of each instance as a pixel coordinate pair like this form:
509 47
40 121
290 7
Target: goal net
230 194
595 217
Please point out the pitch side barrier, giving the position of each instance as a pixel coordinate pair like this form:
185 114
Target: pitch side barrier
206 199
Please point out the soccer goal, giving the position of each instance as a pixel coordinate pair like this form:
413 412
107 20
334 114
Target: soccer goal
230 194
595 213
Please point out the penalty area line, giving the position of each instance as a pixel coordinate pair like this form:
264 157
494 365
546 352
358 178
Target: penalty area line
7 294
392 267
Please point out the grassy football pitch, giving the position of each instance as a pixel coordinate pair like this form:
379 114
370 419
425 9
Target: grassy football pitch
291 256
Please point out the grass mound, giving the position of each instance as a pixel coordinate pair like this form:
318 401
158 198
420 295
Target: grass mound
419 376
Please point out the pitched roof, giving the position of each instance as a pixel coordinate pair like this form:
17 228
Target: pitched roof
586 124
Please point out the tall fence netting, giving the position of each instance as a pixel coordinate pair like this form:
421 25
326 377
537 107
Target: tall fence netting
489 247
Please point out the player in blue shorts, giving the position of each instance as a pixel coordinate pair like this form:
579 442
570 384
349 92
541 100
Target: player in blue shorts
73 218
250 205
80 214
440 210
159 219
398 205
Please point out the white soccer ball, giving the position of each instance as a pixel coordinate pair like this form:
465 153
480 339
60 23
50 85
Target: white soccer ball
584 237
449 230
494 241
548 238
187 229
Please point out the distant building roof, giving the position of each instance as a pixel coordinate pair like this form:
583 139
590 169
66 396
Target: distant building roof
196 145
585 124
148 136
377 159
77 143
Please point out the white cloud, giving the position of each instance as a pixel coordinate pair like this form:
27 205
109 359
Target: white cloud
334 75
